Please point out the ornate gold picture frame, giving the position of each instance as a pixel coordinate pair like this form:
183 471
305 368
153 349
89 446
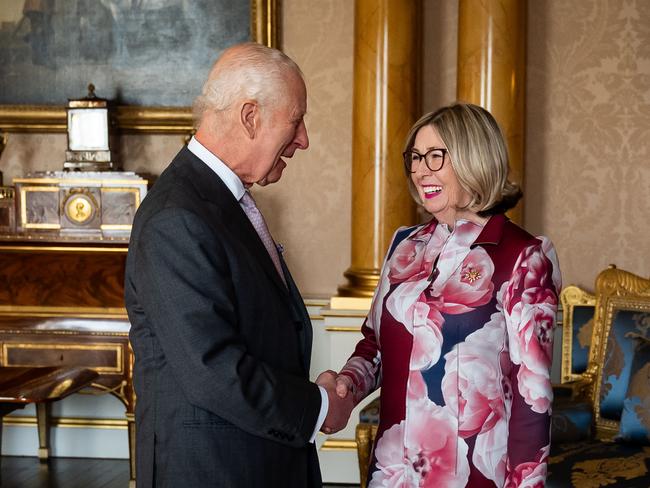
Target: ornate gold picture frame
130 118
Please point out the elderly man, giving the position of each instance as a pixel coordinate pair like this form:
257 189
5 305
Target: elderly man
221 336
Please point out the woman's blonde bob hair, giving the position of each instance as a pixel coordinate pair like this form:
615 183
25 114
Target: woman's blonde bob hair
477 153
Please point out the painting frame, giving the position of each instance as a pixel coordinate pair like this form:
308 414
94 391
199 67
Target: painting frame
264 29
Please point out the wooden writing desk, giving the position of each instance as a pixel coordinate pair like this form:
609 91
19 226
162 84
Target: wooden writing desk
61 304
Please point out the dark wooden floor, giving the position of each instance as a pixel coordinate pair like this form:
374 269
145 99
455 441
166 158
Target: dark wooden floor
28 472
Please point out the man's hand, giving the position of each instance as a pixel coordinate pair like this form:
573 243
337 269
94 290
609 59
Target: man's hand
340 407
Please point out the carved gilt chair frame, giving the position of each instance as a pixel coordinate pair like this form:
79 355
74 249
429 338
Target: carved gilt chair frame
571 297
616 290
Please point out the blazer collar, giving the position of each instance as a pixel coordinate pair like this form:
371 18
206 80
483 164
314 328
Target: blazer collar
492 231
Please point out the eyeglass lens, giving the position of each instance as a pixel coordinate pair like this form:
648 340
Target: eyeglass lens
434 159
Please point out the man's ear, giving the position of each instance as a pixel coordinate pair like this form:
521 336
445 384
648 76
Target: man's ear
249 118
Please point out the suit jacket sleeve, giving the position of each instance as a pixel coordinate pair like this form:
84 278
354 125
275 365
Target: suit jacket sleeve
187 294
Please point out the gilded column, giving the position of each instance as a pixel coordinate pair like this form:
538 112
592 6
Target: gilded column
386 75
492 67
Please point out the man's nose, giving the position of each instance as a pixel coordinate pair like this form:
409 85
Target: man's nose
302 139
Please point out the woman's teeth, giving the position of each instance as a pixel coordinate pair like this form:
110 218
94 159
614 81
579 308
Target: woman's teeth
431 191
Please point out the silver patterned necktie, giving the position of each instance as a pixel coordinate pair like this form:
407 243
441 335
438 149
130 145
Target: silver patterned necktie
256 218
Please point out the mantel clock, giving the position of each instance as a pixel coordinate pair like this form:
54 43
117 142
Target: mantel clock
89 129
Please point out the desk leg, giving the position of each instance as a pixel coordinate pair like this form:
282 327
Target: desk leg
43 414
1 419
131 425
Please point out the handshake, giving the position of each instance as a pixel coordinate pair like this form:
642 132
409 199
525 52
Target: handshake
341 400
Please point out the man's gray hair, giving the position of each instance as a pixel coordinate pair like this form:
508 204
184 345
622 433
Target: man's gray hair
256 73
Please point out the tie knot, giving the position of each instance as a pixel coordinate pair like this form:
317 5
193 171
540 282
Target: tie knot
247 200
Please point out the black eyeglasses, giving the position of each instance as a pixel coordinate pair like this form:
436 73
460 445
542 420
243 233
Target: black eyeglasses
433 158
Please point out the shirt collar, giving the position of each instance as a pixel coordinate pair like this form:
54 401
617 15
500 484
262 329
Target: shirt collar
229 178
490 234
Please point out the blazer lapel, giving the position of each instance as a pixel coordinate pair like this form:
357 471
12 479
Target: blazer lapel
300 317
213 190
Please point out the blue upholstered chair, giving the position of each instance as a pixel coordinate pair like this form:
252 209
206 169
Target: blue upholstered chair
572 410
618 453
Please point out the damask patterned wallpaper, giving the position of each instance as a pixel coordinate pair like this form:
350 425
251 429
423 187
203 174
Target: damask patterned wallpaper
587 137
588 133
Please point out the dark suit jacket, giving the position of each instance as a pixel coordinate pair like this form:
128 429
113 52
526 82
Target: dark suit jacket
222 347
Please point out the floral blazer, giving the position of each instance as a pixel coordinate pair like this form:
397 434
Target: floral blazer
460 339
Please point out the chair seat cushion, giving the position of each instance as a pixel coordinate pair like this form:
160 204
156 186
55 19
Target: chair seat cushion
591 464
571 422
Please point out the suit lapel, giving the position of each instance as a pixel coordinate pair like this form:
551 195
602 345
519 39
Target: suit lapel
300 317
213 190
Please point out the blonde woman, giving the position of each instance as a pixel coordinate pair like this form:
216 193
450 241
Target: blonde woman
459 336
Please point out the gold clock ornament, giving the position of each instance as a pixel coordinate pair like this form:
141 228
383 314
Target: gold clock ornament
80 207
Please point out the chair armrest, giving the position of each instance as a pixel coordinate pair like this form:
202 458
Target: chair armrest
574 391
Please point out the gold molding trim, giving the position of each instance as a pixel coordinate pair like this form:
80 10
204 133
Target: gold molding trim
162 120
23 209
351 314
264 22
115 227
342 329
339 445
67 422
49 332
73 249
107 346
571 297
80 312
92 181
118 189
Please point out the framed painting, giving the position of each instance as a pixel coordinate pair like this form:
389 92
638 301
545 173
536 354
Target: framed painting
149 57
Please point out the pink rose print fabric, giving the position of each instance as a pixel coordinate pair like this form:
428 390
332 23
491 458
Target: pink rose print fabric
408 455
530 304
460 337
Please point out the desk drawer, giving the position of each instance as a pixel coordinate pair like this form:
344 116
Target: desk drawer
102 357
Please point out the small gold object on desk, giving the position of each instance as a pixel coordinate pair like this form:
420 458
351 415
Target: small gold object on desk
78 205
89 131
7 210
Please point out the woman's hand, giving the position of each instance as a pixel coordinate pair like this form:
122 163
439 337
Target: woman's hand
344 385
340 407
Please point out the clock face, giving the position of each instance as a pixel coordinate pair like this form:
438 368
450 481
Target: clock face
88 129
79 208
